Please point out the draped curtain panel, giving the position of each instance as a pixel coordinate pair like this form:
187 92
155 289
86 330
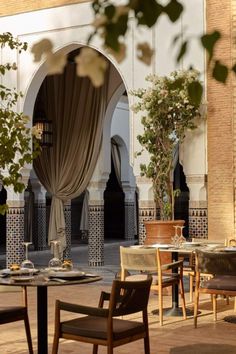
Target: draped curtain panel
77 111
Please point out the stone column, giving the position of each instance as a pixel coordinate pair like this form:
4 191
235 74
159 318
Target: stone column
130 217
40 221
146 205
15 228
96 224
197 206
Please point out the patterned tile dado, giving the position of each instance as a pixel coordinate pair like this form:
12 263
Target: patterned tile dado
129 221
40 230
15 235
145 214
96 235
198 222
67 212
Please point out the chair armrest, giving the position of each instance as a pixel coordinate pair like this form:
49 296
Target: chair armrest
103 297
173 265
85 310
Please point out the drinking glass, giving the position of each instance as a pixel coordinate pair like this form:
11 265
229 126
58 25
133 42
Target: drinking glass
55 262
27 264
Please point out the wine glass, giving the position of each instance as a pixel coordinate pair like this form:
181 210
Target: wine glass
27 264
55 262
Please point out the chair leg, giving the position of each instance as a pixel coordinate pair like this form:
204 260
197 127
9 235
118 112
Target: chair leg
146 345
55 344
214 303
191 288
160 300
95 348
183 298
196 301
109 349
28 334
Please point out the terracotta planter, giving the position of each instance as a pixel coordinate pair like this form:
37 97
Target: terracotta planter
158 231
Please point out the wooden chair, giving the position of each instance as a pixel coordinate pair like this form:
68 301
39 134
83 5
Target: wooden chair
148 260
18 313
222 267
101 326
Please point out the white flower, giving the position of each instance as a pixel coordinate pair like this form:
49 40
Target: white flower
56 63
91 64
99 21
36 132
25 119
145 53
42 47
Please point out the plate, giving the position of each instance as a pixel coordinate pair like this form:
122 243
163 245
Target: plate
19 272
230 249
71 274
191 244
21 279
160 245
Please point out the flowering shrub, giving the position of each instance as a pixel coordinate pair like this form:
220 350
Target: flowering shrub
15 136
168 112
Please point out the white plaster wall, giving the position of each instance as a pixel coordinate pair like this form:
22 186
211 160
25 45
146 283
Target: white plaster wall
68 27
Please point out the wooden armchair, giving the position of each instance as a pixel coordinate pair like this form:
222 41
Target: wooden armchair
148 260
222 267
18 313
100 326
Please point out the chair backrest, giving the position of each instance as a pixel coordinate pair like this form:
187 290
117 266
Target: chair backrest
129 296
139 259
220 263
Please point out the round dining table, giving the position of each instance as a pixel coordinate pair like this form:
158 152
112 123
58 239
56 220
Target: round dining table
41 281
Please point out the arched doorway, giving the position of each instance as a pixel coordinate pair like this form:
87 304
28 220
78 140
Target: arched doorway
182 201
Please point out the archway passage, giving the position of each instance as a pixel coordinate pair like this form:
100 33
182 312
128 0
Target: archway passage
114 212
182 201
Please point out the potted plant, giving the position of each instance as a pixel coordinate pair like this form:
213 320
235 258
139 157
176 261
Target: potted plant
167 113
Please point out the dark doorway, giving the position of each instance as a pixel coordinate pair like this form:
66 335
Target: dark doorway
114 212
3 200
182 201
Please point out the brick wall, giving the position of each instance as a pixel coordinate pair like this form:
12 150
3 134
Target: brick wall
220 129
11 7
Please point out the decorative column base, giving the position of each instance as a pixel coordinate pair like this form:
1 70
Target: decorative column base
146 213
15 236
96 236
198 221
40 234
67 212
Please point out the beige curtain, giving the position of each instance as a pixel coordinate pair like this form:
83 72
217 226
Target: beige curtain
77 111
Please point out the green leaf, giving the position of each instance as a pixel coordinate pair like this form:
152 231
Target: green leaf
182 51
174 9
112 37
220 72
195 91
110 11
147 12
209 41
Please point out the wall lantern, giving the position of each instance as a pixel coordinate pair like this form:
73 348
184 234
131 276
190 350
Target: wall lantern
46 127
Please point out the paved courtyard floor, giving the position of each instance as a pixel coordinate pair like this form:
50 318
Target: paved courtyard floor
175 337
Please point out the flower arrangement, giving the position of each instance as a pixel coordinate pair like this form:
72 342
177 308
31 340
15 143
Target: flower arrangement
167 113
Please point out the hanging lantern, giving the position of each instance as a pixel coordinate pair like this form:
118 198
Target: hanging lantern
46 127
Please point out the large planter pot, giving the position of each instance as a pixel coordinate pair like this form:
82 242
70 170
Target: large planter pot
159 231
